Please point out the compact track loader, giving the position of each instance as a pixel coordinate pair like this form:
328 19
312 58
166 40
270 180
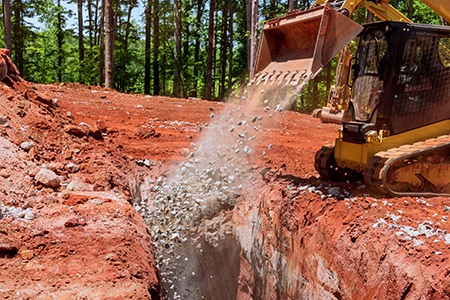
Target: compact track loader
399 136
397 130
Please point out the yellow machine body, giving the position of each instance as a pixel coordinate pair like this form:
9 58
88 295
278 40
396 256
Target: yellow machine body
355 156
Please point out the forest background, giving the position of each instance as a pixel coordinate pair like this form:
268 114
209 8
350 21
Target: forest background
180 48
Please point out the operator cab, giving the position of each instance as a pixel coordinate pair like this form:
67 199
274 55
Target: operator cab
399 78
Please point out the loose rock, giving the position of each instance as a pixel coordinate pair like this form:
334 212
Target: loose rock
8 249
76 131
3 120
77 185
27 145
48 178
4 173
97 135
72 168
27 254
73 222
101 126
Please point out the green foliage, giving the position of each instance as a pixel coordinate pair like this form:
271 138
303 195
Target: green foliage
425 15
41 59
129 69
421 13
90 68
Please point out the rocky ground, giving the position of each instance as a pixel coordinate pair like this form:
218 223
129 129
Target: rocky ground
99 190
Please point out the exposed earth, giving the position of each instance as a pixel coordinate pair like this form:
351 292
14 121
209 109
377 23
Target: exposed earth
74 161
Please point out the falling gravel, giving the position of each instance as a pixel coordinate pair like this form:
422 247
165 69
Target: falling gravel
185 210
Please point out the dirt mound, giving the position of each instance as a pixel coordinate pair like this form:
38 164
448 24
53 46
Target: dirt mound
68 230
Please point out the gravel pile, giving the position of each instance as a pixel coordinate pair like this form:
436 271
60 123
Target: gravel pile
425 230
326 191
25 212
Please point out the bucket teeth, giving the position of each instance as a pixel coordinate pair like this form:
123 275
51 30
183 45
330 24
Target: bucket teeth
282 77
269 77
275 77
266 78
290 76
296 79
260 78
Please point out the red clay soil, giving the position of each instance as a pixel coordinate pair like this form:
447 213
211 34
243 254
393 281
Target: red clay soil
91 244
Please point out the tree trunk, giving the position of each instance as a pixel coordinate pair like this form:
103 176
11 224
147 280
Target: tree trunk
148 21
109 45
128 25
248 22
96 26
214 55
369 17
292 5
164 58
90 25
80 41
223 46
315 101
177 49
60 37
185 58
307 99
121 65
254 33
187 83
230 50
329 80
411 9
252 29
101 78
156 83
7 24
197 46
210 52
18 32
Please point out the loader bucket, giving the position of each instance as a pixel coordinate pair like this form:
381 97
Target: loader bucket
295 47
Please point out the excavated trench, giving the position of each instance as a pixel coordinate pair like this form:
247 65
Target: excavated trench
198 246
241 253
208 271
276 266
